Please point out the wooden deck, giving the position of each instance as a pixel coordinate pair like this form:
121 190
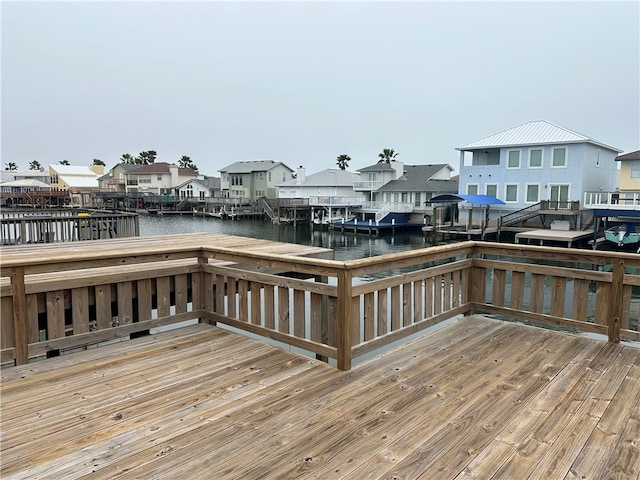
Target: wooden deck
478 398
548 235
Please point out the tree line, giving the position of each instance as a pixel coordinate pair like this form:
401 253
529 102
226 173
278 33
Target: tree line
146 157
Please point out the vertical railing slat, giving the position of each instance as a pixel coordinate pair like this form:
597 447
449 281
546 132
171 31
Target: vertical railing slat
19 316
80 310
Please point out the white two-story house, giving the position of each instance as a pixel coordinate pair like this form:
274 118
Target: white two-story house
536 161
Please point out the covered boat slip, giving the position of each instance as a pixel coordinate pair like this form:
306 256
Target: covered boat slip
477 398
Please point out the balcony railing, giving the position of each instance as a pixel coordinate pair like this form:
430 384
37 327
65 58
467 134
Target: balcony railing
342 311
616 200
337 201
368 185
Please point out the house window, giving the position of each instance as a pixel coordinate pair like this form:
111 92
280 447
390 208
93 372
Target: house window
559 157
491 189
144 179
284 177
417 199
259 175
635 170
53 179
236 180
159 178
511 193
259 193
269 176
201 195
533 193
513 159
535 158
472 189
396 196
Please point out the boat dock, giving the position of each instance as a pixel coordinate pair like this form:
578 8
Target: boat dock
372 227
478 398
570 237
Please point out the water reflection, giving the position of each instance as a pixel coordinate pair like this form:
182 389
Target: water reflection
346 245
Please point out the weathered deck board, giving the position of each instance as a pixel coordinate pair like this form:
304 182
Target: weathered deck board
478 398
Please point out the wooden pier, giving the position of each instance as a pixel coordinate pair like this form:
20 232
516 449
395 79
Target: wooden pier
570 237
342 388
478 398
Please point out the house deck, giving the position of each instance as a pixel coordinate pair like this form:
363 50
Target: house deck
478 398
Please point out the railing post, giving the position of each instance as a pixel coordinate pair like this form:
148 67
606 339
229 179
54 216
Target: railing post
199 288
616 301
344 327
20 333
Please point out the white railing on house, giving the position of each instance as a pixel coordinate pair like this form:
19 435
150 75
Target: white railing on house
338 201
369 185
617 200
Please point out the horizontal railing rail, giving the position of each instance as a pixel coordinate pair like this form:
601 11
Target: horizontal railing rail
335 310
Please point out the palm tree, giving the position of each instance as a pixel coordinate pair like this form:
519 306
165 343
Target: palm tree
343 161
11 166
127 158
64 162
147 157
97 161
387 156
34 165
185 161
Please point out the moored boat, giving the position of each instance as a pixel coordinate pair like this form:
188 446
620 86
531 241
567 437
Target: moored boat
623 234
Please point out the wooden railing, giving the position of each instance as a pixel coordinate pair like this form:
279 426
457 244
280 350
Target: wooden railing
65 226
336 310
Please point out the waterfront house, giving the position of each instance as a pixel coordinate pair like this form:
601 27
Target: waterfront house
115 179
375 176
418 184
196 188
158 178
331 182
78 181
536 161
629 175
253 179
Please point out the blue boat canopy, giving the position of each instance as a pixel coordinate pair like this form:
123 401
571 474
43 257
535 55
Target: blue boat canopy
472 199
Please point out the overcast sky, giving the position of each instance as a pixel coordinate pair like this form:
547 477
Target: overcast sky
303 82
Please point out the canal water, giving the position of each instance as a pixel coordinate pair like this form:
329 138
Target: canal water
346 245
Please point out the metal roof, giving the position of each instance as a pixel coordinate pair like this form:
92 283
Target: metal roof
472 199
532 133
330 177
27 182
73 170
77 181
